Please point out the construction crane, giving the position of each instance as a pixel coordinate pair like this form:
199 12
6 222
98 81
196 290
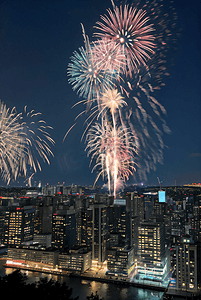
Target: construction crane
159 182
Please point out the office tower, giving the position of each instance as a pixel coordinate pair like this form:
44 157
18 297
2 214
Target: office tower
195 223
43 219
151 242
99 231
64 229
188 265
159 210
21 224
153 261
137 209
119 222
86 227
4 221
80 208
120 260
177 222
160 213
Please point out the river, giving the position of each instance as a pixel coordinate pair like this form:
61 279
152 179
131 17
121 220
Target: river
83 288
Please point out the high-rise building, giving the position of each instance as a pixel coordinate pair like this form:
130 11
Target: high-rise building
20 225
119 222
177 223
195 223
153 261
188 265
64 229
99 231
151 242
86 226
137 209
4 222
43 219
120 260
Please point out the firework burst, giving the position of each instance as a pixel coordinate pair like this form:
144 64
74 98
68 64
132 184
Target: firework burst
87 76
12 142
113 150
37 139
132 32
108 57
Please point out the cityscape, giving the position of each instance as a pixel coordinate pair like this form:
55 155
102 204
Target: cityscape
100 160
149 237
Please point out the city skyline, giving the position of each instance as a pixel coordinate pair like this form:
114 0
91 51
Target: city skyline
139 240
37 45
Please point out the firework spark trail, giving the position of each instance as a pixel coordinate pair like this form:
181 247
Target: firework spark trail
112 100
12 143
114 153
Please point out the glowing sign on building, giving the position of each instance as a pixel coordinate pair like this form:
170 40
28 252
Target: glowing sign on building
161 196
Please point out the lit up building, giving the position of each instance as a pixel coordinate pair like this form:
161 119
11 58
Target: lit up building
151 242
195 223
137 207
153 264
188 265
119 222
76 260
177 221
159 210
43 219
43 239
4 225
63 229
86 227
99 230
20 227
31 257
120 261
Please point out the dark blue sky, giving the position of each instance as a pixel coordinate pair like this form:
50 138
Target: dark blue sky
37 39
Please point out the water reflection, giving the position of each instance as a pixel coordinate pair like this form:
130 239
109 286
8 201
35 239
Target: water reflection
83 288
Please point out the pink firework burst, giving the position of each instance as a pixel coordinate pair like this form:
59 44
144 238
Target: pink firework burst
108 56
131 30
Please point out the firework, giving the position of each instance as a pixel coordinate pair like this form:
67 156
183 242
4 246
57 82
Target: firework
12 142
132 32
37 139
124 66
114 152
148 119
108 57
111 100
86 74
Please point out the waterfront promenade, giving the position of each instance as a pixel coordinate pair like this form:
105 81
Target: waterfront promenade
89 275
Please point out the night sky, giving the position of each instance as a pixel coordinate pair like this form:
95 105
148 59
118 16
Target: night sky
37 39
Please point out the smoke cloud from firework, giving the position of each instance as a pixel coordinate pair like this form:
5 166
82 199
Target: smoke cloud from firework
116 76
